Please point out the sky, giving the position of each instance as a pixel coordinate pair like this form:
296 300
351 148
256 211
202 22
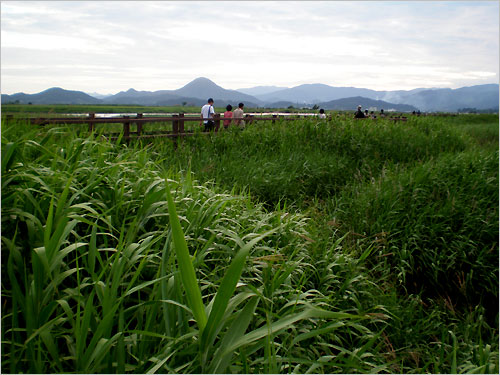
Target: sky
110 46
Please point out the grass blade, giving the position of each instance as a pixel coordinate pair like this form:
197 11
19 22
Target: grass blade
226 290
234 332
186 268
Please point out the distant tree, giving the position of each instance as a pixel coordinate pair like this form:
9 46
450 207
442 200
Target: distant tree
29 103
291 107
315 106
184 104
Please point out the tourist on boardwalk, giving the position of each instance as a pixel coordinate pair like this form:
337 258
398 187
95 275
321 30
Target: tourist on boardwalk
382 114
238 114
207 113
359 113
228 114
322 113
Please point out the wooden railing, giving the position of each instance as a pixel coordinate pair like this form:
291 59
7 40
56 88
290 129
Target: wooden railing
178 121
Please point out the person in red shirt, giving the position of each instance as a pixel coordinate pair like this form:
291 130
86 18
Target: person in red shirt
228 114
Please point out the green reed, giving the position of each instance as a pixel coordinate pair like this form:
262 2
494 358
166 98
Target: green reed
286 247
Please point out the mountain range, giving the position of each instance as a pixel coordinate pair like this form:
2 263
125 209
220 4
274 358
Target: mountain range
196 92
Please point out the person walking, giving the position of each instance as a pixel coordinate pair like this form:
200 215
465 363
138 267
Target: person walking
359 113
228 114
238 114
207 114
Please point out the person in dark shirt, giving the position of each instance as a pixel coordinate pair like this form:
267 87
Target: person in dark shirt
359 113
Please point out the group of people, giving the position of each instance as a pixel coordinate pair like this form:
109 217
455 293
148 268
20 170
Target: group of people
208 112
359 113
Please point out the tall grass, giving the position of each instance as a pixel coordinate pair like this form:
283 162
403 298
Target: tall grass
287 247
299 160
91 283
451 246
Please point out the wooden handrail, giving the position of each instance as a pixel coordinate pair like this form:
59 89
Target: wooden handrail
120 120
178 121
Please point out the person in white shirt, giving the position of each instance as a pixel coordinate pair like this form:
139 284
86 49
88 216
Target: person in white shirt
207 114
322 113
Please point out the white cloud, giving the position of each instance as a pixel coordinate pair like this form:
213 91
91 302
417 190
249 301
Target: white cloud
45 42
163 45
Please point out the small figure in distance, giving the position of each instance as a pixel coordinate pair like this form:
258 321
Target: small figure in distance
238 114
366 113
359 113
372 115
382 114
207 113
322 113
228 114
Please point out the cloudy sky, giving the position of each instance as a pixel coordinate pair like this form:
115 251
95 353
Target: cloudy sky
107 47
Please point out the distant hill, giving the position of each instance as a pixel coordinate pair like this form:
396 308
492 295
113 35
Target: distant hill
53 95
346 104
315 93
203 88
260 90
135 97
97 95
195 92
282 104
480 97
435 99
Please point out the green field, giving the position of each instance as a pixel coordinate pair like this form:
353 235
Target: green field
297 247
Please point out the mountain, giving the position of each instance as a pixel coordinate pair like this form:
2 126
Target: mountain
398 96
132 96
260 90
55 95
199 90
479 97
97 95
203 88
346 104
315 93
195 92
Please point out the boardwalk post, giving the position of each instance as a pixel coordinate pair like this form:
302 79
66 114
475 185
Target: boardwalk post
217 122
175 130
181 123
139 125
126 127
175 124
91 122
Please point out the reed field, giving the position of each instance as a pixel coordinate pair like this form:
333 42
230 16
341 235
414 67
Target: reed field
302 246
